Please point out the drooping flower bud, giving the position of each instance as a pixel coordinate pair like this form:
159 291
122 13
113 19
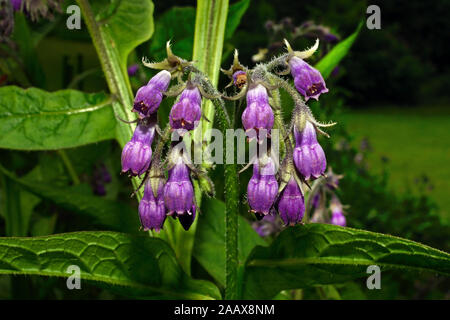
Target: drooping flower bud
308 81
258 114
179 193
137 153
262 188
186 113
291 205
148 98
309 157
152 211
337 215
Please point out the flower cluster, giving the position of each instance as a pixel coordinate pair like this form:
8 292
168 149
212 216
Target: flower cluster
174 197
269 192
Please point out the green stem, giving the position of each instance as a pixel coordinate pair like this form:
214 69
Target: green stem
69 167
116 77
208 44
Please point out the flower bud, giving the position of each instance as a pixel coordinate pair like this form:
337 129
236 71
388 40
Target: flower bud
186 113
309 157
262 188
308 81
148 98
152 211
258 114
291 205
137 153
178 191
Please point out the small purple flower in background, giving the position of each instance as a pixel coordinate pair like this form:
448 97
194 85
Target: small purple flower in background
258 114
16 4
268 225
101 177
309 157
186 113
179 194
148 98
337 214
291 205
132 70
316 200
262 188
308 81
137 153
152 211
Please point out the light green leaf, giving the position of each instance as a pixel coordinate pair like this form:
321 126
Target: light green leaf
129 25
320 254
141 266
33 119
101 212
209 249
332 59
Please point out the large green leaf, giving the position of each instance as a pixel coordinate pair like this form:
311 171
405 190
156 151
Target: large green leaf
100 212
319 254
209 249
332 59
141 266
33 119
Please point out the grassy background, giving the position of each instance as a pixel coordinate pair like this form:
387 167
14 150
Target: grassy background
416 143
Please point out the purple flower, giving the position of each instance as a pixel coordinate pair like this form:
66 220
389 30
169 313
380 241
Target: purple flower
148 97
309 157
258 114
132 70
179 194
291 205
268 225
338 219
316 200
308 81
262 188
137 153
186 113
337 215
16 4
152 211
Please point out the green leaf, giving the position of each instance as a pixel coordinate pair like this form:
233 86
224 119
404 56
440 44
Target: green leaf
141 266
209 249
235 13
129 25
167 27
101 212
320 254
332 59
33 119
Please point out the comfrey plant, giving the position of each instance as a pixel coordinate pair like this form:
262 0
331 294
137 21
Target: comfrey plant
268 191
170 167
